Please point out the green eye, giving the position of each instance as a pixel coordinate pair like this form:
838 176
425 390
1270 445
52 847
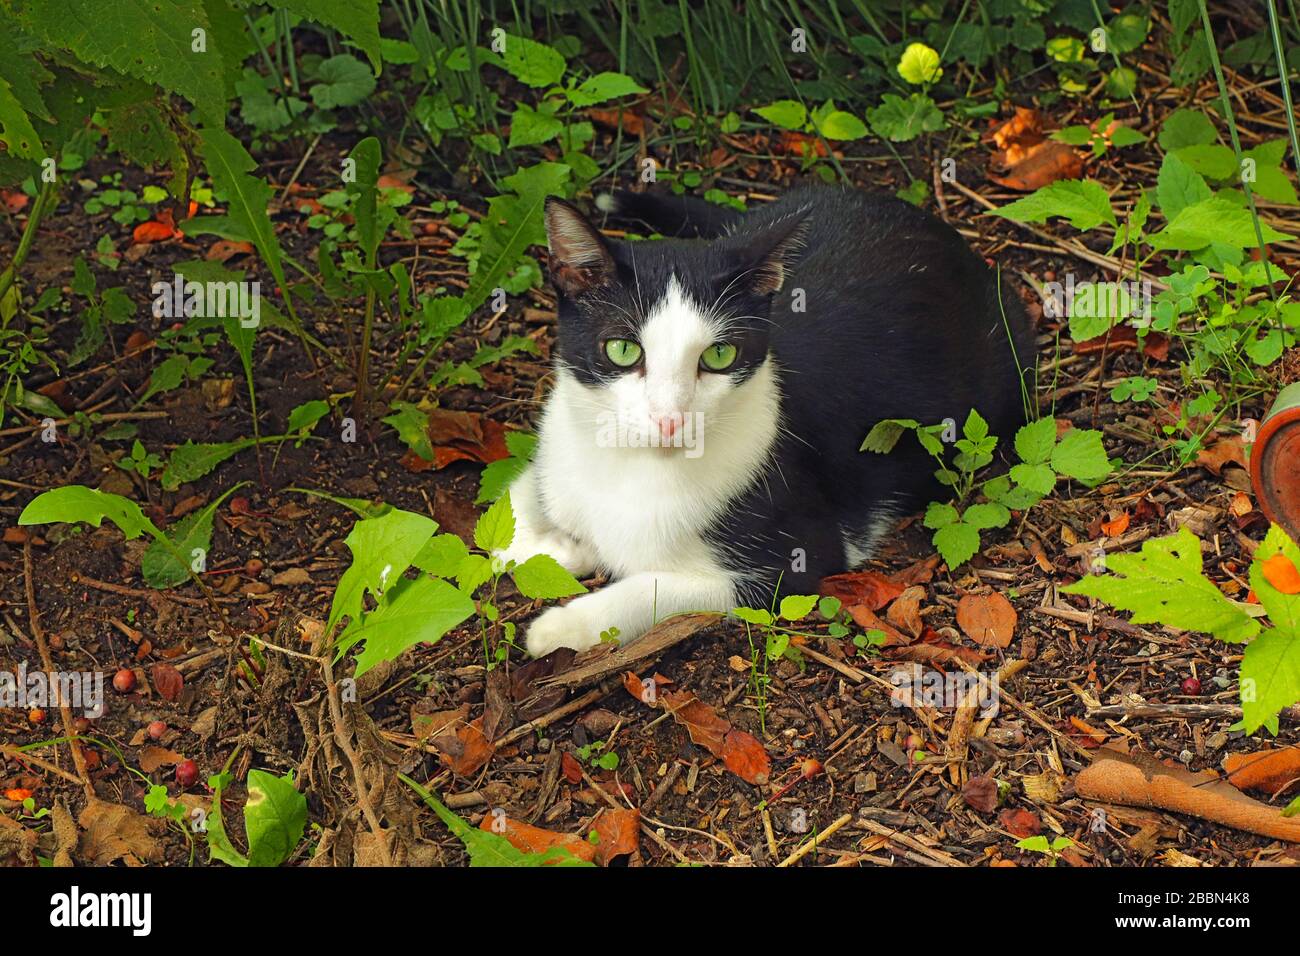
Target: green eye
717 358
623 352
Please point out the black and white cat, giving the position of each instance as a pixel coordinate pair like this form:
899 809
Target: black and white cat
700 444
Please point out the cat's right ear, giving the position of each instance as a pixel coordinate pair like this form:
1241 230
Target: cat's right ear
580 259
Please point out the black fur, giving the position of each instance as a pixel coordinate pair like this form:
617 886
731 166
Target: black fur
901 320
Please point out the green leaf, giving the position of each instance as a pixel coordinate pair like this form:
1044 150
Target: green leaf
1270 676
957 543
491 849
1186 127
884 435
528 127
1034 441
541 576
412 425
919 64
1214 160
984 516
1179 186
306 415
500 474
795 607
1083 202
275 817
532 63
371 224
219 845
442 555
247 196
1038 478
1164 585
939 515
1079 454
602 87
902 120
148 39
359 22
751 615
496 527
418 611
191 462
79 503
160 567
839 125
1283 609
788 114
382 549
16 130
342 80
1213 220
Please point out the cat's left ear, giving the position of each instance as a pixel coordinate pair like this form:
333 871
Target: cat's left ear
580 258
769 255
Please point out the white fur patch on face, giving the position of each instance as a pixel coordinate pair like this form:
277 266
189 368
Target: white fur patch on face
670 397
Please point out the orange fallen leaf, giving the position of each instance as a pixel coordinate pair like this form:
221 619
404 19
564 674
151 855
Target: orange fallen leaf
935 652
794 143
527 838
466 751
1020 823
14 200
868 588
867 619
460 436
151 758
152 231
1270 770
1281 573
1116 526
397 181
1039 165
619 833
744 756
224 249
19 794
631 123
570 767
987 619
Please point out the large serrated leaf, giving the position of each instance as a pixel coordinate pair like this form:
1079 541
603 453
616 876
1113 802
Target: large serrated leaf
152 40
417 611
1164 585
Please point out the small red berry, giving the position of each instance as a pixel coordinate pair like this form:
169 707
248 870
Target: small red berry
36 715
92 758
187 771
1192 687
157 729
124 680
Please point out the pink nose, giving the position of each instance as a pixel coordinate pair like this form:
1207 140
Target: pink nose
667 426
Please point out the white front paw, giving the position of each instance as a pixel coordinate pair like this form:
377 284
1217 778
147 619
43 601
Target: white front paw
557 627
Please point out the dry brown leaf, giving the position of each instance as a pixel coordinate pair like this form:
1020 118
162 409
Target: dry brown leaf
167 680
987 619
1039 165
704 725
151 758
619 833
1225 451
114 832
291 576
905 611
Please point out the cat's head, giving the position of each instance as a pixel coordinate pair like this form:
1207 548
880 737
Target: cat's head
670 334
